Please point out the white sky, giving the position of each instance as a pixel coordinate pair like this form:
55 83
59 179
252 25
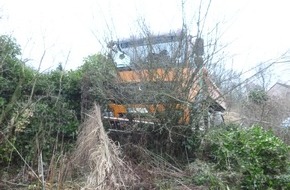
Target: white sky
255 30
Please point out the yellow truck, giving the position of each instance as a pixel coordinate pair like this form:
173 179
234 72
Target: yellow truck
170 66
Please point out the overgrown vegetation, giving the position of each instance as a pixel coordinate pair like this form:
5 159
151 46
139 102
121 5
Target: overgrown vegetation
246 158
45 117
40 112
96 153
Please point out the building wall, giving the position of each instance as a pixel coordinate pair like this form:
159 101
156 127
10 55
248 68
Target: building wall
279 91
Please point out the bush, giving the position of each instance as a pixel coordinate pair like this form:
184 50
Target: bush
260 157
258 96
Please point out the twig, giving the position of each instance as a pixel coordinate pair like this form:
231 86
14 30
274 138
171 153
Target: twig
60 80
36 76
41 170
15 184
182 184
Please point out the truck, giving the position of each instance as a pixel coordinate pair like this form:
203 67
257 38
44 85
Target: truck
161 78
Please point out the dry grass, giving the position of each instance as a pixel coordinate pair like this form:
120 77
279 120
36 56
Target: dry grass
156 172
100 157
233 117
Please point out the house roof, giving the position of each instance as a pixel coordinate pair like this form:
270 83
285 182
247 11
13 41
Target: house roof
285 85
280 84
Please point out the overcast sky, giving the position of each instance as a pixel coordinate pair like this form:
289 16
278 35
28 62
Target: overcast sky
255 30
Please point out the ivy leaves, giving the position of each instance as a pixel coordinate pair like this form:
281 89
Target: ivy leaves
253 152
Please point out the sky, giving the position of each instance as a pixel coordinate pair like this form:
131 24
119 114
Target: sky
68 31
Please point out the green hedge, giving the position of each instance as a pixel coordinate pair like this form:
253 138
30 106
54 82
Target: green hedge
256 156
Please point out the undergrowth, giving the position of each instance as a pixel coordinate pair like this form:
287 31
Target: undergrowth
243 158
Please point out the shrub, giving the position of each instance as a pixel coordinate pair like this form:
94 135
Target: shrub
258 155
258 96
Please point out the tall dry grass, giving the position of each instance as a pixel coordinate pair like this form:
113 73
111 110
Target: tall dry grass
100 157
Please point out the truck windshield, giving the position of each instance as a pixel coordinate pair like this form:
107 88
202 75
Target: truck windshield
158 50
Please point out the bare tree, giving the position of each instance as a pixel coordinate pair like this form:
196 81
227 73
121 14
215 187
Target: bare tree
261 107
166 71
